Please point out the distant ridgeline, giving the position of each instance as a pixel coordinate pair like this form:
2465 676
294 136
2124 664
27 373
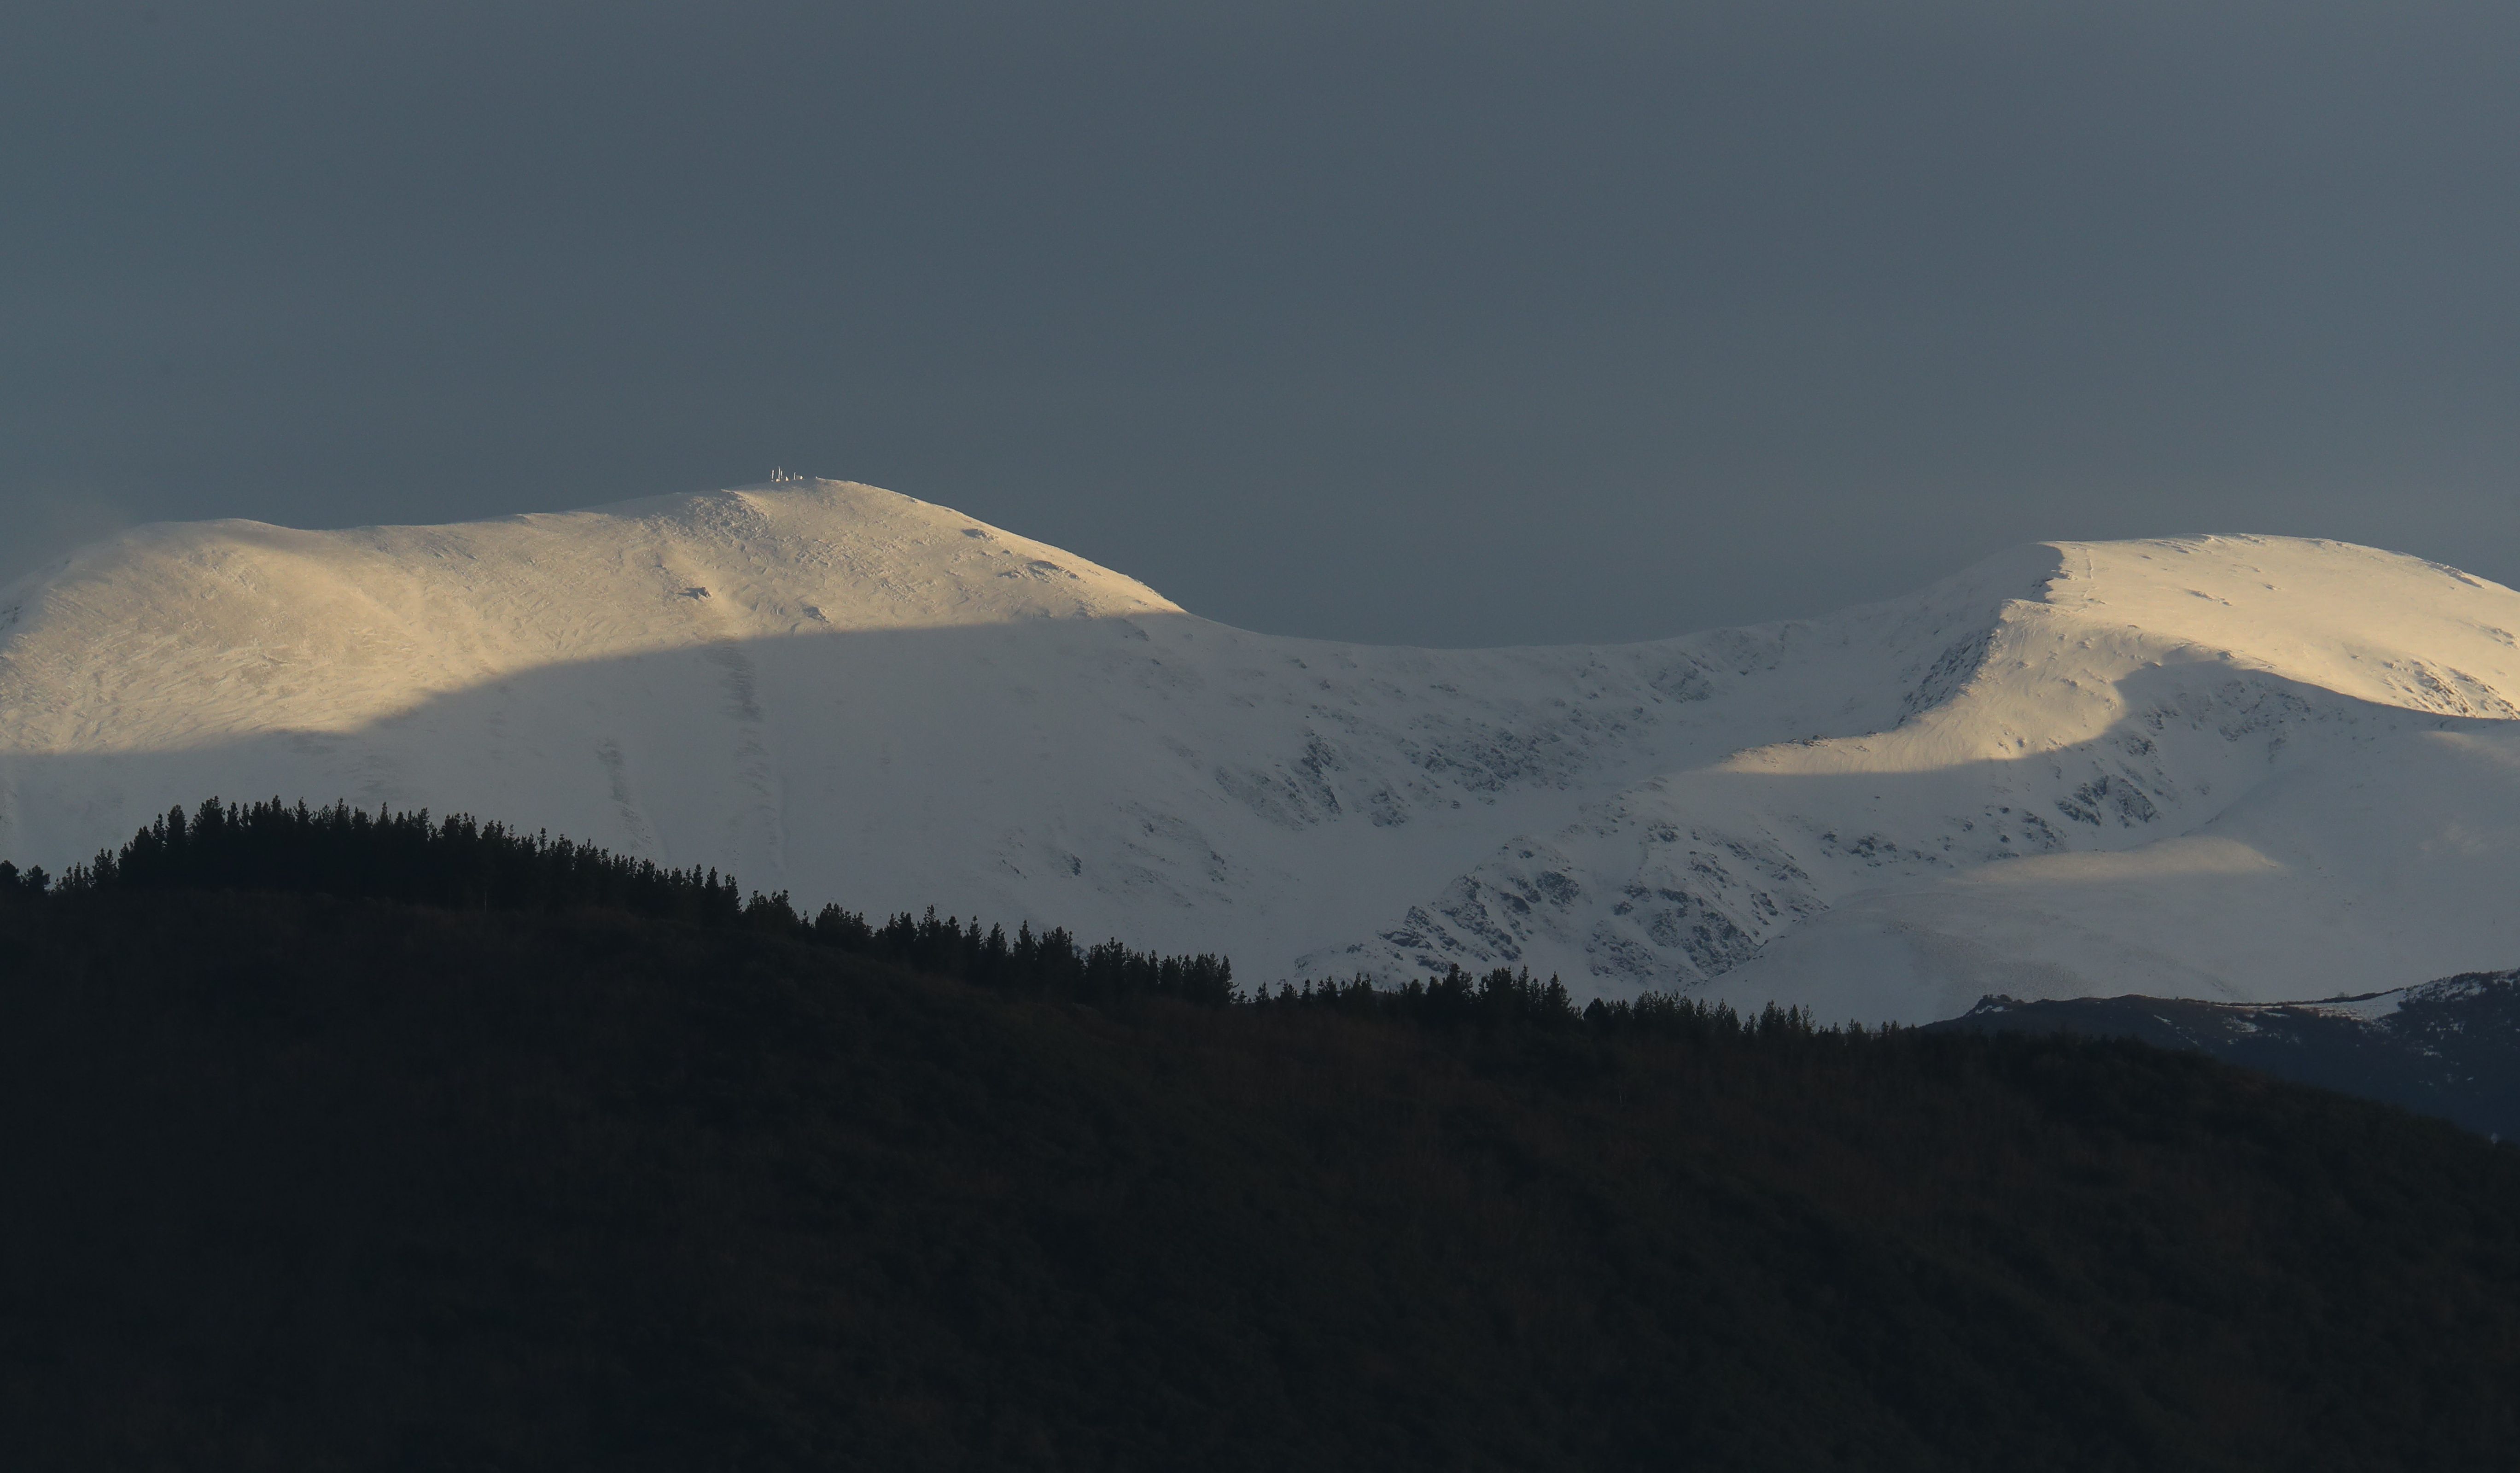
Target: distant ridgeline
459 863
2449 1048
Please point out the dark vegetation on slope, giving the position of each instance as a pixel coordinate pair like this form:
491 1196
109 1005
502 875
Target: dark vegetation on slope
462 862
299 1180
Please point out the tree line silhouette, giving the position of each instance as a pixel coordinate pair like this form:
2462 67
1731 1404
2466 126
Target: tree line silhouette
461 862
1511 998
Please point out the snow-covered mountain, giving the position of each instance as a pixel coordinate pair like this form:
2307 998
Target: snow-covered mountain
2227 767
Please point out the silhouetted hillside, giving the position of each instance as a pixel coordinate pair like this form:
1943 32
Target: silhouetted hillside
458 862
298 1181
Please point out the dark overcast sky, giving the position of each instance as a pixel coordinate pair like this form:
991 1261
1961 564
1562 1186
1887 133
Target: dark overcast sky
1448 323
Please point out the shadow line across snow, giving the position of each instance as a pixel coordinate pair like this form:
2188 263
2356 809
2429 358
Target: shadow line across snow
1630 817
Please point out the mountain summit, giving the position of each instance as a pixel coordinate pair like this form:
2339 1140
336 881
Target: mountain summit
2243 768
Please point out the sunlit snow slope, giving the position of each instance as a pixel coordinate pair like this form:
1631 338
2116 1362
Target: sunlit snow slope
2232 768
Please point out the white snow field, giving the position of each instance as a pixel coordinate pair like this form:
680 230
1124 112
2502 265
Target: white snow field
2248 768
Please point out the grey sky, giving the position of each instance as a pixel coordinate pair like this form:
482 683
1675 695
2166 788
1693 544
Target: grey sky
1448 323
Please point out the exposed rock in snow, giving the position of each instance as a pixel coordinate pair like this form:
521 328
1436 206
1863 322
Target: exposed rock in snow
2226 767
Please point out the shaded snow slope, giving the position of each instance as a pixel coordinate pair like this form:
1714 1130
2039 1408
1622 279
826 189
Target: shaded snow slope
2232 768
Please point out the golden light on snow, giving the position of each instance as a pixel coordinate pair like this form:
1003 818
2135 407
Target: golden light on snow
2222 767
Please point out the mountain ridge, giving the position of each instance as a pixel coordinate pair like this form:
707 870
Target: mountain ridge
2071 769
2444 1048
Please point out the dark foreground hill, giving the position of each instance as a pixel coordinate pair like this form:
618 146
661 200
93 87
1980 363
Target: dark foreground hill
312 1182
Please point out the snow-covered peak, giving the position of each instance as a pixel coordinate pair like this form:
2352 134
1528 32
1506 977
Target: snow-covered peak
2380 626
175 633
2242 768
2048 646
